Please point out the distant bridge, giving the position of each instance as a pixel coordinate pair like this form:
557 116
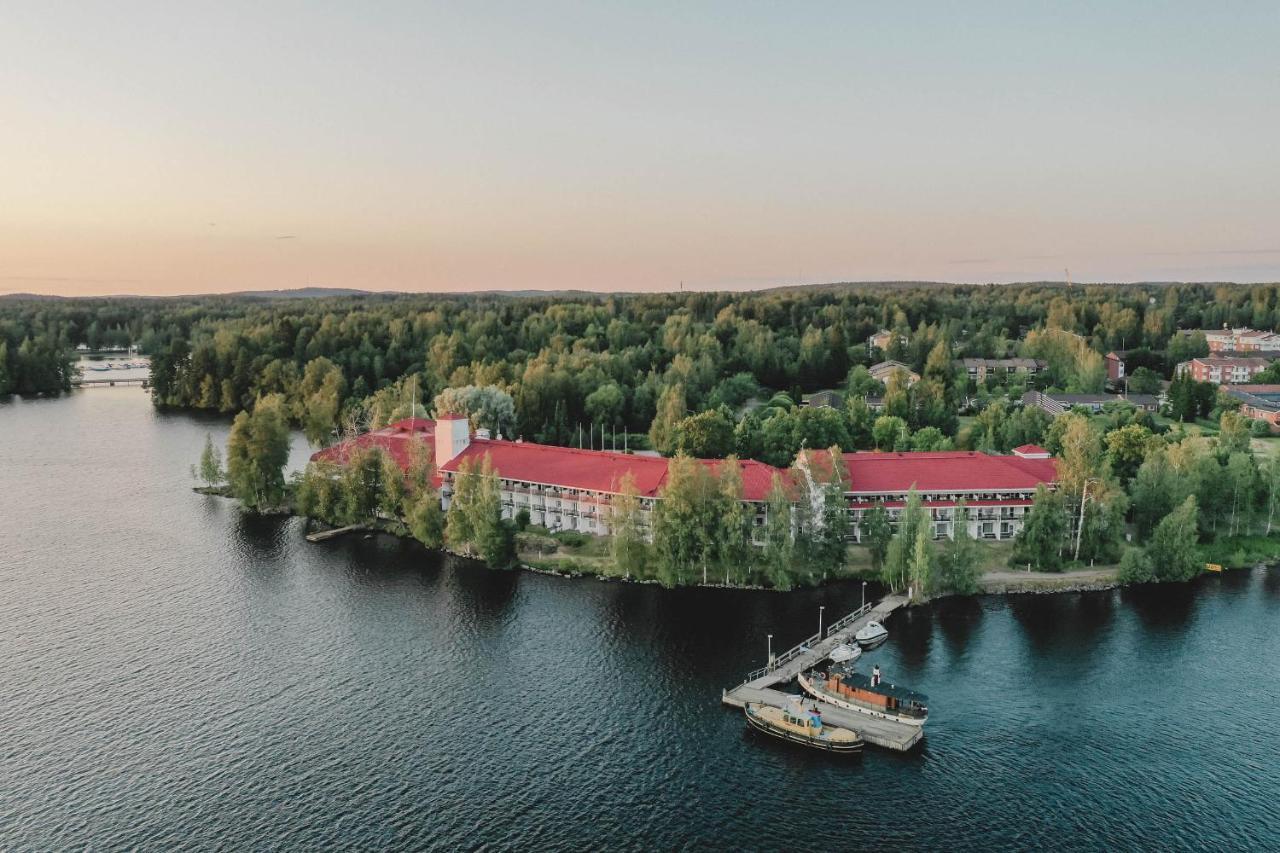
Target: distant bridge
144 381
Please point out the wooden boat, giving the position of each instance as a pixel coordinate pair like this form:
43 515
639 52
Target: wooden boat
854 691
801 725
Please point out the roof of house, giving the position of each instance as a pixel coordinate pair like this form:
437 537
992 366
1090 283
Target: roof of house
1027 449
396 439
603 471
885 368
1263 397
1003 362
1233 361
945 471
593 470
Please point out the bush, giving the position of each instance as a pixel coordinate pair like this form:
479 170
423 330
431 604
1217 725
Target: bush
1259 429
522 519
1135 567
571 538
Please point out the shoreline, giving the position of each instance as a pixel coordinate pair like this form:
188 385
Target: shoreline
998 582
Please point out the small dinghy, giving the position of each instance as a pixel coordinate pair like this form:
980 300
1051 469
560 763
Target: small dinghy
871 634
844 653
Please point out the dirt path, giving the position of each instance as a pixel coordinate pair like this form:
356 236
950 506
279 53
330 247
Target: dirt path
1006 580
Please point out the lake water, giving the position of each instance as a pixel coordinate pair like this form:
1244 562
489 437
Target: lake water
176 674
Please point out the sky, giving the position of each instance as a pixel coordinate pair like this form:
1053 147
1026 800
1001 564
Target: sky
165 148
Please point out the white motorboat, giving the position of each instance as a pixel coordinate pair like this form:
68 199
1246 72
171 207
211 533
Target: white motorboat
871 633
845 653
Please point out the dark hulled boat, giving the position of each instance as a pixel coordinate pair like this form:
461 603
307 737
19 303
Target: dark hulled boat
845 688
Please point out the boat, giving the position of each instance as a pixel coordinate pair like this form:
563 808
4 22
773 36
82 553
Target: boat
853 691
845 653
871 633
801 725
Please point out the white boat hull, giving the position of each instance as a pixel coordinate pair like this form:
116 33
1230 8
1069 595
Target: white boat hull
807 687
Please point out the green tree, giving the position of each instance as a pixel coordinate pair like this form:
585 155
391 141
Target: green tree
921 567
876 533
1143 380
684 521
708 435
958 564
890 433
733 523
1127 447
1172 551
778 542
257 451
211 473
425 518
321 394
394 489
1043 537
604 405
627 544
1234 434
671 410
486 407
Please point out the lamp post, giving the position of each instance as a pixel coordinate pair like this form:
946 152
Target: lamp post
821 607
864 595
769 660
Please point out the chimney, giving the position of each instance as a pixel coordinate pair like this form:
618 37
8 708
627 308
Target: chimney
453 434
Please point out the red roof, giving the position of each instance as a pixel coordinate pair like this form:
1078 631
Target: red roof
945 471
394 439
593 470
603 471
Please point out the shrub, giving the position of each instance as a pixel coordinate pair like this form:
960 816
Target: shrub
571 538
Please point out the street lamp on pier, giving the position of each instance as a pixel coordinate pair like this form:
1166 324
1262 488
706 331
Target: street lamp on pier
864 595
769 660
821 607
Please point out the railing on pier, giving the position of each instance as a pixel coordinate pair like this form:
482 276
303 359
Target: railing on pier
841 624
805 646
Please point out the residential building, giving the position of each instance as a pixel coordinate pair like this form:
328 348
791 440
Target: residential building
1115 367
881 340
1224 371
1259 402
883 370
978 369
825 400
1057 404
1239 340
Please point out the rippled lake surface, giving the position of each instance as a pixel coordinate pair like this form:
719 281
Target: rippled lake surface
174 674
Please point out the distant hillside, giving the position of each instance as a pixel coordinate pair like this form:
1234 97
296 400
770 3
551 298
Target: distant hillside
302 293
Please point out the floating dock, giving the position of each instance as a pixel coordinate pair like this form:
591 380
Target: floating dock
761 685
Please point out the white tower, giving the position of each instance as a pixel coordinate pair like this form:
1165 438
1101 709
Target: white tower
453 434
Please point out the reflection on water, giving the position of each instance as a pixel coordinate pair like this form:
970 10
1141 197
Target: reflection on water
179 674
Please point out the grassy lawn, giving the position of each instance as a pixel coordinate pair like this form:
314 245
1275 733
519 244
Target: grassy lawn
995 558
1265 448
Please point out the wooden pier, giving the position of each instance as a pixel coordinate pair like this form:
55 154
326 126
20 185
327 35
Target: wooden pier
760 686
333 532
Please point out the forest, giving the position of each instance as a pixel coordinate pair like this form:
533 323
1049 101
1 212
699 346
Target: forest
718 375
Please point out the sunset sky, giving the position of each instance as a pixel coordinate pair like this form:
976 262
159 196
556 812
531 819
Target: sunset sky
166 148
